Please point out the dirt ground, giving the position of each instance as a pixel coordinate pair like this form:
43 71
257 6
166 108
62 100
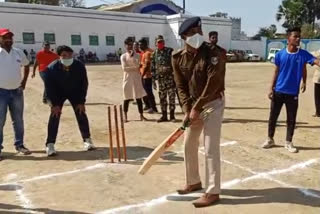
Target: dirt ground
253 180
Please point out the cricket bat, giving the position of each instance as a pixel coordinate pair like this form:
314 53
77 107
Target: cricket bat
157 152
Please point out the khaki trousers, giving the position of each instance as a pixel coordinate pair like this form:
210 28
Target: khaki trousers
211 128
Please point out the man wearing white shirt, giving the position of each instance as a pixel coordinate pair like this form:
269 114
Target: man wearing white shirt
12 85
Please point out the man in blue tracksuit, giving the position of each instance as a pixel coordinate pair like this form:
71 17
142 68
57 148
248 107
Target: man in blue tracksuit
290 70
66 79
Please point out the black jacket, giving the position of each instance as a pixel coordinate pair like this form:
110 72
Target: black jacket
61 84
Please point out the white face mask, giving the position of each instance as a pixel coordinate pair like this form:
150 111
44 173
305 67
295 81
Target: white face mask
195 41
66 62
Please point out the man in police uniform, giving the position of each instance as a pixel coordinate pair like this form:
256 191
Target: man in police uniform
199 76
161 68
214 38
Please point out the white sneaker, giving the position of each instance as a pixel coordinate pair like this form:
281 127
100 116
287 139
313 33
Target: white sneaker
289 146
88 145
50 150
268 143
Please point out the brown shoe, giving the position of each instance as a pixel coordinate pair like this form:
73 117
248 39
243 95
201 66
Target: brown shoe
206 200
190 188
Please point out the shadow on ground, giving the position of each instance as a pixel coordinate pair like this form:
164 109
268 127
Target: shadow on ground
261 196
134 154
8 208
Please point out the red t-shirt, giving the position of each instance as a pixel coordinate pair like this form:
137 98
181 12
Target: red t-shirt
45 58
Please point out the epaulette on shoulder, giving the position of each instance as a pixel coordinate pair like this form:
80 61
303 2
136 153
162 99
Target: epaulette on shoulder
177 52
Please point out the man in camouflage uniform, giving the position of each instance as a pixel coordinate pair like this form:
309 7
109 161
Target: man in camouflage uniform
162 71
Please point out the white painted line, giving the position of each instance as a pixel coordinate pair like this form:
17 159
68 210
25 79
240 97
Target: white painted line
89 168
229 143
268 176
135 208
307 192
282 171
42 177
264 175
25 202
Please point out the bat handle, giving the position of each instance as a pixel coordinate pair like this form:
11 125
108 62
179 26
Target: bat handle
186 124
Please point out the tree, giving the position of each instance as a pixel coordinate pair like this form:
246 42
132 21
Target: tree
295 13
72 3
268 32
310 31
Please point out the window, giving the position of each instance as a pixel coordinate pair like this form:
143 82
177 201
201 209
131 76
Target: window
75 39
110 41
148 40
93 40
50 37
28 38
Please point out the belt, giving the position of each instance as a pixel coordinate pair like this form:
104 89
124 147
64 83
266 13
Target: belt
219 95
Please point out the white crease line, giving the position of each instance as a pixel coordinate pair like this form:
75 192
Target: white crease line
290 169
267 175
25 202
135 208
230 143
89 168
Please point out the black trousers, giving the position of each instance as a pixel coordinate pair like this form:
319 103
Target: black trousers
317 98
291 103
126 105
53 125
149 100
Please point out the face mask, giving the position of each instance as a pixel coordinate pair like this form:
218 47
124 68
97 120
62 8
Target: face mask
195 41
160 45
66 62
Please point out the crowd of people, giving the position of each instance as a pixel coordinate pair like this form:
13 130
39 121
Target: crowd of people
195 73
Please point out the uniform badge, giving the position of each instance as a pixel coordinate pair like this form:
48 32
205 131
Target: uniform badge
214 60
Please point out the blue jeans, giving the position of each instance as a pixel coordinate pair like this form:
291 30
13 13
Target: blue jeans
12 100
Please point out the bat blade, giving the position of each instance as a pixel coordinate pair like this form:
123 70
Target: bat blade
157 152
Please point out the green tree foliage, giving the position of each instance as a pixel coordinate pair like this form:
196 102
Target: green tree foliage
268 32
308 31
296 13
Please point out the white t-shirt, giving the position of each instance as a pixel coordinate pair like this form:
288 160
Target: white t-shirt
10 68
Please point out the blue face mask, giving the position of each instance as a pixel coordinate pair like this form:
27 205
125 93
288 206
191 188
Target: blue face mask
66 62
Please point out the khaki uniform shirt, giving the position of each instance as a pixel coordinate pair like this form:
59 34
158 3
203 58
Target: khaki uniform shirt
200 77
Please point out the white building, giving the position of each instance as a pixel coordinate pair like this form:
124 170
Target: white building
156 7
98 31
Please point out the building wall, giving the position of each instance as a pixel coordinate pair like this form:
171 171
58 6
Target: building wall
257 46
48 2
157 7
64 22
222 26
236 29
